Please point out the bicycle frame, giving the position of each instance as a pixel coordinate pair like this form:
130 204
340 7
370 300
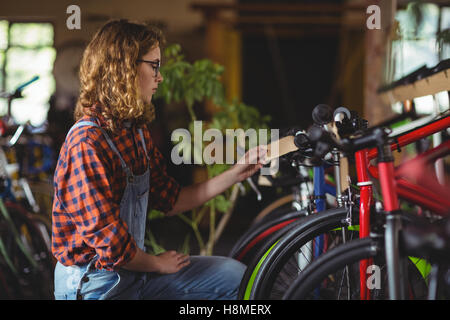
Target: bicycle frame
319 194
417 193
386 170
393 187
407 190
365 202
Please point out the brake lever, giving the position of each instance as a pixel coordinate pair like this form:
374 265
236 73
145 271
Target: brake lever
16 135
253 186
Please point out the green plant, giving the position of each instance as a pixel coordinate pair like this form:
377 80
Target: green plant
198 82
190 82
442 39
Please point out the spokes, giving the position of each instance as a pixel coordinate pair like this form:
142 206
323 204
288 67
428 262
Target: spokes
303 258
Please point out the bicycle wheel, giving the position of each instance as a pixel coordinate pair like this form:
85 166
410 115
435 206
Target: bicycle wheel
10 286
41 232
251 241
335 275
303 231
249 275
6 290
299 247
43 193
284 203
33 261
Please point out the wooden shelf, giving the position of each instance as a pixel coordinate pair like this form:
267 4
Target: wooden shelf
428 86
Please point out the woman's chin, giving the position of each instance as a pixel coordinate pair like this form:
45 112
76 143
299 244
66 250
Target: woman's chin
147 100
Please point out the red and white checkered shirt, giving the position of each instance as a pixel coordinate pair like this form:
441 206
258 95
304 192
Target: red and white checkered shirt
89 183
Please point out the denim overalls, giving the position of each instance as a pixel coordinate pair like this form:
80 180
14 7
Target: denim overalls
133 210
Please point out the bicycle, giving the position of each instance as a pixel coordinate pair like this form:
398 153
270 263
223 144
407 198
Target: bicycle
26 262
275 257
281 218
278 219
383 247
321 116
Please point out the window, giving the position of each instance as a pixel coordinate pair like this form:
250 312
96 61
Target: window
26 50
417 45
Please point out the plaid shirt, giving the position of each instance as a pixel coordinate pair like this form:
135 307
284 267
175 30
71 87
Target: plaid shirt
89 183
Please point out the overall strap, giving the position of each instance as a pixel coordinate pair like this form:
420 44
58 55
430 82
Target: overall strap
143 143
108 140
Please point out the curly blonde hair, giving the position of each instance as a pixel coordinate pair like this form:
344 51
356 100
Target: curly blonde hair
109 87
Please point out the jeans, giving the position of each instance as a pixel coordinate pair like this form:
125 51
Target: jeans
212 278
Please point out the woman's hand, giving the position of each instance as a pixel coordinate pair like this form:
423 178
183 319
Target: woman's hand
195 195
165 263
251 162
171 262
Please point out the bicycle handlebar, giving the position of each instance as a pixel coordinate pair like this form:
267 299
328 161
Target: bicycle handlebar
325 141
347 122
322 114
22 86
17 130
17 93
302 141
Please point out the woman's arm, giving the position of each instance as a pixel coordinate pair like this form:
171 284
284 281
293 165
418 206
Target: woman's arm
195 195
191 197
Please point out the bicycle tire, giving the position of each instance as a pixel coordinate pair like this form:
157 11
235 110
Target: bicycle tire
37 277
281 256
299 226
309 283
283 202
327 222
10 284
6 290
248 278
40 228
251 240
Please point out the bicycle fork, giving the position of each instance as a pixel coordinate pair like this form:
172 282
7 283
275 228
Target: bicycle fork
314 248
365 202
393 223
340 202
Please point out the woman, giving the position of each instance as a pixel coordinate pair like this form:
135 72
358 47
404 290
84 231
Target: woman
109 174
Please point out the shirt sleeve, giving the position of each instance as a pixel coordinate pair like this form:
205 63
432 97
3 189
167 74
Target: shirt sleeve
164 189
85 192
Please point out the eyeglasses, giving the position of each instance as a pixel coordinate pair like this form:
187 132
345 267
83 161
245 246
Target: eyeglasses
156 65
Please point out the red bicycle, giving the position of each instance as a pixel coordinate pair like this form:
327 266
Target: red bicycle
277 262
380 241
